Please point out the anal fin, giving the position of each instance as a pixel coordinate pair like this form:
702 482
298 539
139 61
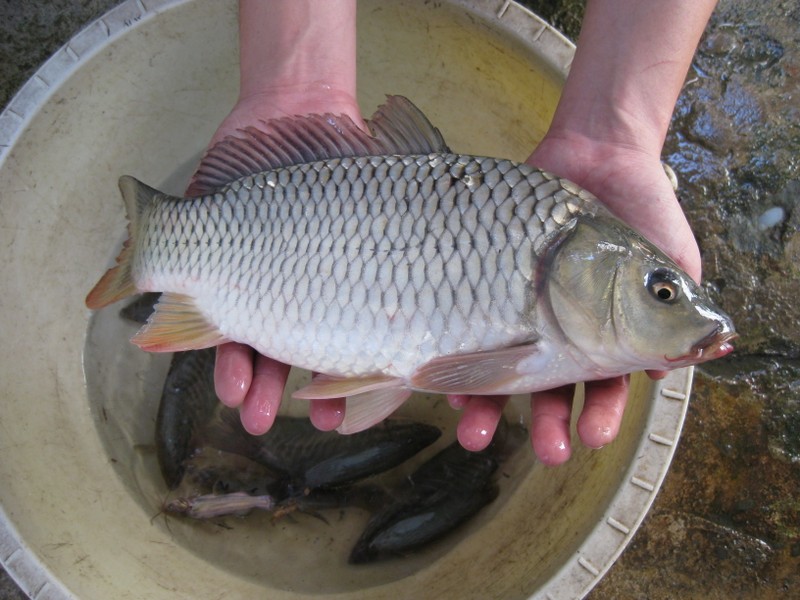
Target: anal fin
177 325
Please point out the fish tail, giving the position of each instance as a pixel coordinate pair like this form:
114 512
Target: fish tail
117 283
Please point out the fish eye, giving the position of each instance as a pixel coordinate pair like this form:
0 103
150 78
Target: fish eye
663 284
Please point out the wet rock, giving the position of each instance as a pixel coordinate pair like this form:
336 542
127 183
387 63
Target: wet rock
721 116
771 217
676 552
564 15
720 43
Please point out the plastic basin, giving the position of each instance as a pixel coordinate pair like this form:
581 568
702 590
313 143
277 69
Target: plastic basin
140 91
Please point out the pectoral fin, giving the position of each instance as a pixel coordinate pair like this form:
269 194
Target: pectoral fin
490 372
177 325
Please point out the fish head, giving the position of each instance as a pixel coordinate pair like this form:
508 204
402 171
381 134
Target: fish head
627 306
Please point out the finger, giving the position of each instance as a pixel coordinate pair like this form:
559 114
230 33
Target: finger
457 401
233 373
479 421
326 415
550 415
602 411
656 375
263 399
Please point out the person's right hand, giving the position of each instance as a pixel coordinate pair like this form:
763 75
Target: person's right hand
607 135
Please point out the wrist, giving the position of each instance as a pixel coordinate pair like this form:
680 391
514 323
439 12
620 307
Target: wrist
586 159
629 67
272 102
614 124
295 48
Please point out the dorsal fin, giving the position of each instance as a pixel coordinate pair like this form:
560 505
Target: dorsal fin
397 127
404 129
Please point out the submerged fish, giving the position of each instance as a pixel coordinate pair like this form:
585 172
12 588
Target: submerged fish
441 494
389 264
140 309
209 506
294 455
312 459
187 404
239 503
210 471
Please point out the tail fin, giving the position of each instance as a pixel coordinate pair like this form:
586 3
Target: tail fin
118 283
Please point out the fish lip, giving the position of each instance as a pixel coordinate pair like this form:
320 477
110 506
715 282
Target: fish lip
715 345
720 346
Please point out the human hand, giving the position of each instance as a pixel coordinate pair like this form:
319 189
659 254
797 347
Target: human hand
606 136
631 182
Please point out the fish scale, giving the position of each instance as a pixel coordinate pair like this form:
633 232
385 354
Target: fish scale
333 259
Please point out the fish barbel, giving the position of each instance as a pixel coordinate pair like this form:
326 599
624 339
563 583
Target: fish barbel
387 264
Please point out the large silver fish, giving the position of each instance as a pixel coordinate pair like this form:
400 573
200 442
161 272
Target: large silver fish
389 264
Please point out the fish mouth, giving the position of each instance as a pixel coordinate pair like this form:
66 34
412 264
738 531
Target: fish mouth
715 345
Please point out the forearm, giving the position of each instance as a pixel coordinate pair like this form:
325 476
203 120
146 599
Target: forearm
630 65
297 47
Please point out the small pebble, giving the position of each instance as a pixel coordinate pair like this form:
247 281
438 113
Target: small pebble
721 43
771 217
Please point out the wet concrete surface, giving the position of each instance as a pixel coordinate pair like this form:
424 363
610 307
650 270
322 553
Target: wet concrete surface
726 523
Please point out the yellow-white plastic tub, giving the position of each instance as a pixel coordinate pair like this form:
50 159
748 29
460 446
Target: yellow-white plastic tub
139 92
